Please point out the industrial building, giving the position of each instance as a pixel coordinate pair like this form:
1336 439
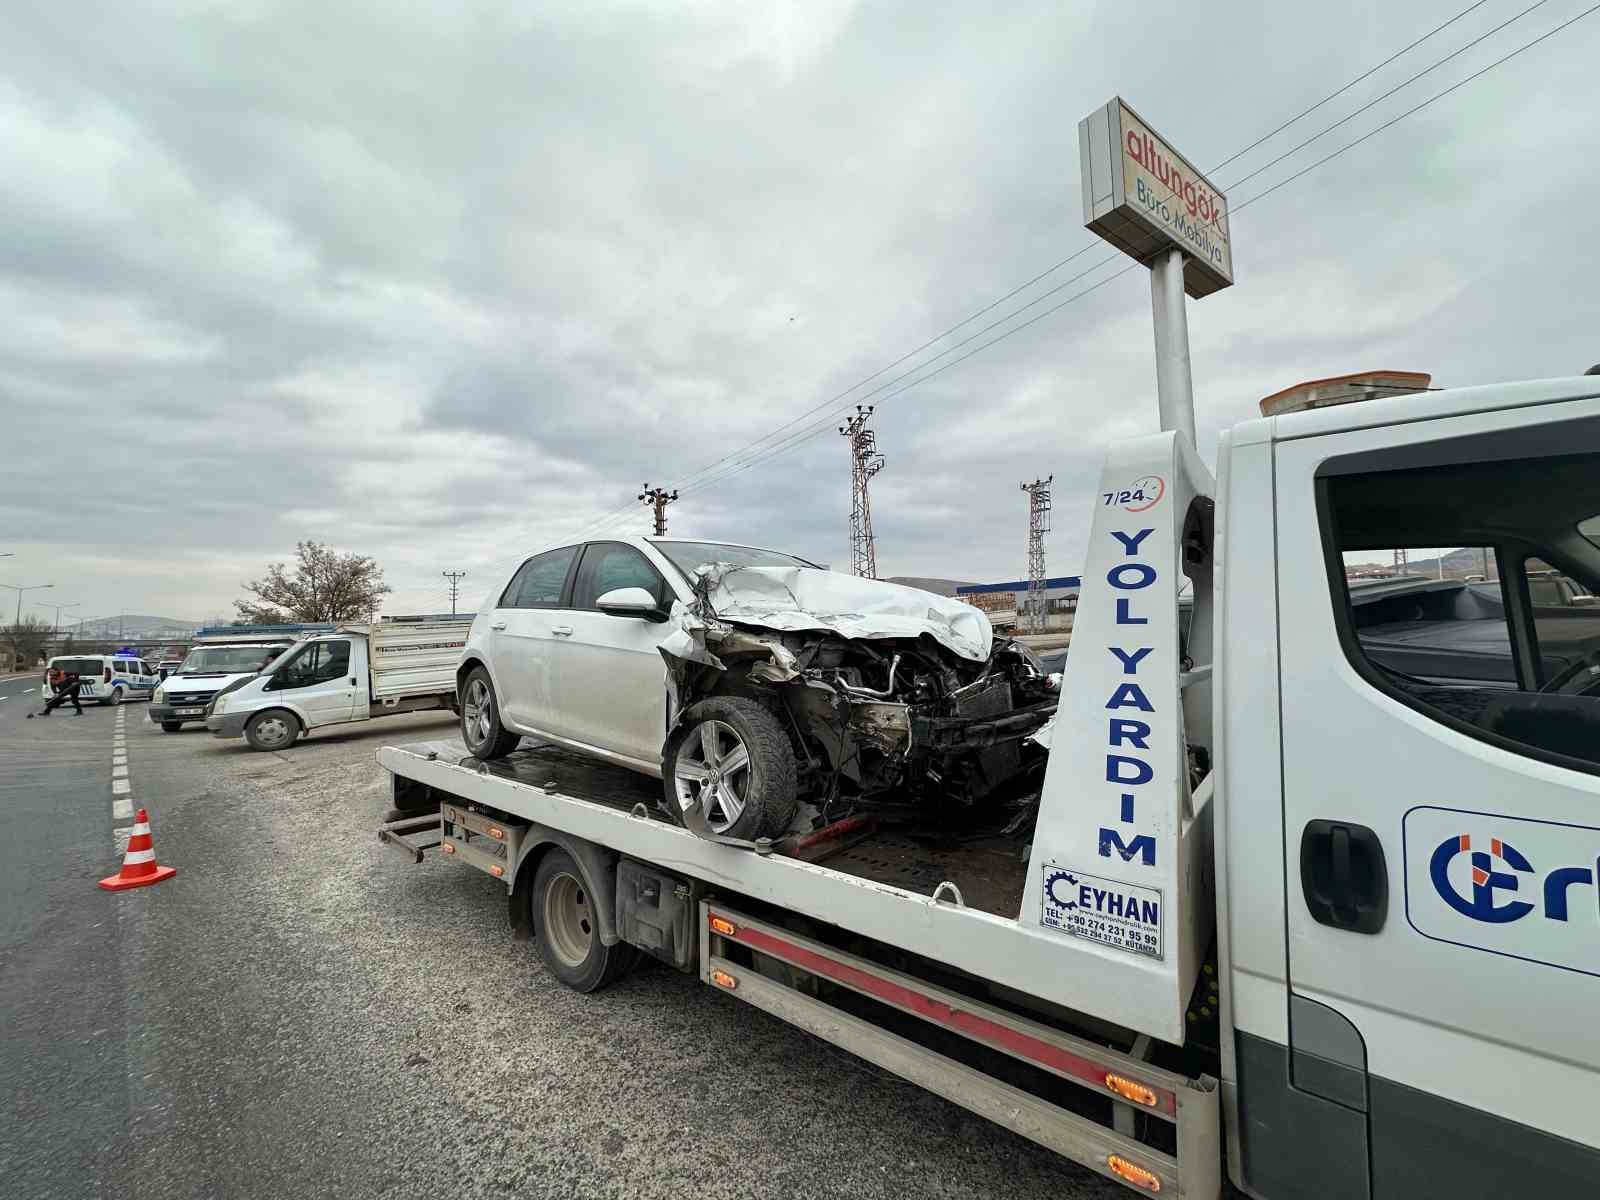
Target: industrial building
1003 600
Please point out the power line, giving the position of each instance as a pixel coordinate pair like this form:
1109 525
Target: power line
1419 107
1372 103
694 482
1334 95
1235 208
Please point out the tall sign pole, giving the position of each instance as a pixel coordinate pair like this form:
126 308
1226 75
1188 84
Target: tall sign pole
1144 198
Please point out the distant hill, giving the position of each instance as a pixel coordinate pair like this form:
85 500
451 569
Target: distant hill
939 587
133 625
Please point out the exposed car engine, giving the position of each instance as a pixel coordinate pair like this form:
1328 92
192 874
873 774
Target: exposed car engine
877 720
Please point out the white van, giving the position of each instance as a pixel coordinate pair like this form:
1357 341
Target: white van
106 678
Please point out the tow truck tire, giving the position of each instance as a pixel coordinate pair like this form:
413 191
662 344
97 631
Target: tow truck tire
272 729
171 726
481 730
769 788
567 931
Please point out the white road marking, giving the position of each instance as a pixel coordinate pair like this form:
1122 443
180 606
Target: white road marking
120 772
121 810
120 787
118 759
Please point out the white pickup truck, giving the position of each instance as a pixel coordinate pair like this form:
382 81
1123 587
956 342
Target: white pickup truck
221 657
353 673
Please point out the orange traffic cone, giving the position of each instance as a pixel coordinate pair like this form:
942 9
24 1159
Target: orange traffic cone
139 863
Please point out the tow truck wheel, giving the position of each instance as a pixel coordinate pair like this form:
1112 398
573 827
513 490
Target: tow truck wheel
171 726
566 930
481 730
271 730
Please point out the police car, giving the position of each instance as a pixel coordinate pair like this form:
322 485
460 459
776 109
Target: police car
105 678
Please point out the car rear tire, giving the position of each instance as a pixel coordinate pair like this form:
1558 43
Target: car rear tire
736 748
567 931
171 726
272 729
481 730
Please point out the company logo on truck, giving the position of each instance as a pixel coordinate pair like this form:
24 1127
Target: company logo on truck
1535 898
1121 915
1143 493
1487 882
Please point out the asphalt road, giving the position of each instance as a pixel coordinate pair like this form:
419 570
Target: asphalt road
300 1012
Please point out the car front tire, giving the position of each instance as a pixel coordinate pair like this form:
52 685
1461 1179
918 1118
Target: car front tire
731 756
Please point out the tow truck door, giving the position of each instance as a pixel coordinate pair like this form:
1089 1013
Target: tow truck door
1441 841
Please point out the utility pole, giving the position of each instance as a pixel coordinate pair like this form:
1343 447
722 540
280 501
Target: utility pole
455 578
1038 525
1402 565
865 462
658 499
55 629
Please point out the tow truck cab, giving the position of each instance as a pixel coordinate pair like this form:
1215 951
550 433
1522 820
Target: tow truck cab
1408 853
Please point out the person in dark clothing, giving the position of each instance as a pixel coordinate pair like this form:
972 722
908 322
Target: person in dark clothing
66 690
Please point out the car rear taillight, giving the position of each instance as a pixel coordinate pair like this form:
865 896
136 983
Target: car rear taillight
108 675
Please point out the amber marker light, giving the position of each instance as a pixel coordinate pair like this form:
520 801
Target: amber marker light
1128 1089
1133 1173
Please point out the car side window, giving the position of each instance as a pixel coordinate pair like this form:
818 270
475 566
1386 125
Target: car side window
540 582
318 662
611 565
1498 641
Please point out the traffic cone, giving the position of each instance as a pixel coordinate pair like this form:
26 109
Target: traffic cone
139 867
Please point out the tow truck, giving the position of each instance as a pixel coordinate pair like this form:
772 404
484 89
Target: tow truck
1287 912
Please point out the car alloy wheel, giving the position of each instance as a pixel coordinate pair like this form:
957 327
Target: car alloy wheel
713 771
477 711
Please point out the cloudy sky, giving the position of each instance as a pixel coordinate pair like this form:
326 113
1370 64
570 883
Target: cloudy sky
446 283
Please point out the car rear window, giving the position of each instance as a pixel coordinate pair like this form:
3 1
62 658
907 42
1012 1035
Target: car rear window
77 666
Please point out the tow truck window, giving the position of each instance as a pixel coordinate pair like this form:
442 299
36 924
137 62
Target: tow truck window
611 565
1465 592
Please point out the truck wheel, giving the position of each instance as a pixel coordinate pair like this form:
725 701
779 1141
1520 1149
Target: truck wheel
271 730
171 726
730 756
566 930
481 730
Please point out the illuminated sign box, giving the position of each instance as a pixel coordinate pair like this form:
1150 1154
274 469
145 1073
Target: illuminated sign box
1143 197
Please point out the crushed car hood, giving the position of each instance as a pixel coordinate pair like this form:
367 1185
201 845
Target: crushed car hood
796 599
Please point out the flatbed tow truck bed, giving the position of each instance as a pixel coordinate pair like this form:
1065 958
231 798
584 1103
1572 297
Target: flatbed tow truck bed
908 955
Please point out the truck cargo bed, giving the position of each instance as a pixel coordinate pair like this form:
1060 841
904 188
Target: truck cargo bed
988 874
888 886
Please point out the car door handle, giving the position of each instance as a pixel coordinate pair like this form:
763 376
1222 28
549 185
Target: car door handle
1344 876
497 625
561 630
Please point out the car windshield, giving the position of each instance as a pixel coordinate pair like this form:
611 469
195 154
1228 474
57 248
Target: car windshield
690 556
230 660
1591 529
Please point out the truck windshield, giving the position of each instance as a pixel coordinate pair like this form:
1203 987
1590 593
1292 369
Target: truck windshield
690 556
230 660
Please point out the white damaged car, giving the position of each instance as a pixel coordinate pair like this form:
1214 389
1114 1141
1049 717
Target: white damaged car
751 681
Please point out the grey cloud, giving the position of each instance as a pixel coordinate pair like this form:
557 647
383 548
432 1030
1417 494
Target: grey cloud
443 286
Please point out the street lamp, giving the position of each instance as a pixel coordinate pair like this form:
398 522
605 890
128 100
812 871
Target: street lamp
32 587
55 629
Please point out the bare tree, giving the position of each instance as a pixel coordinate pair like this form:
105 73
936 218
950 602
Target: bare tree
323 585
26 641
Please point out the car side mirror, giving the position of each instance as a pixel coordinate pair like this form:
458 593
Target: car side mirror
630 602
